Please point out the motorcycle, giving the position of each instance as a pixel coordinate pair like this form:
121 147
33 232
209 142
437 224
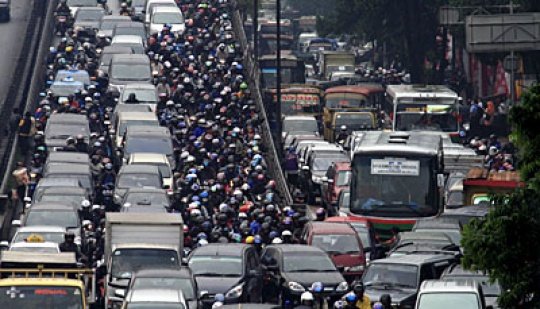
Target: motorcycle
61 24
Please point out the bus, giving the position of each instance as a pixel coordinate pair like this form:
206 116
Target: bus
431 108
292 70
297 99
396 178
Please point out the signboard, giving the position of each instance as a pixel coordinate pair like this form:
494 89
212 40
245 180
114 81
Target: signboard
299 99
395 166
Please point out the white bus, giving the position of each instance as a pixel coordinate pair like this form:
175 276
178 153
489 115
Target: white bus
423 108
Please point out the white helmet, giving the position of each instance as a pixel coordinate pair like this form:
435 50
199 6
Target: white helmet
277 241
306 296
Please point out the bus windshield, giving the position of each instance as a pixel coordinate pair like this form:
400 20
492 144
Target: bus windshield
345 100
394 187
41 297
435 115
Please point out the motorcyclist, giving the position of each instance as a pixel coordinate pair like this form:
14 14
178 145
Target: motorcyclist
81 144
69 245
125 10
362 301
342 136
62 9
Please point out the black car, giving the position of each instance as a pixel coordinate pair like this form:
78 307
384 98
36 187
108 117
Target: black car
290 270
229 269
181 279
401 276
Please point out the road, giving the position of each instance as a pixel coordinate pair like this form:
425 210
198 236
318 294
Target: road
11 49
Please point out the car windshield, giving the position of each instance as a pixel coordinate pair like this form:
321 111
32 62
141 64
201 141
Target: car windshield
295 125
132 122
133 180
391 274
56 237
449 300
62 218
127 261
71 199
343 178
219 266
149 144
394 187
454 235
147 199
163 168
141 95
90 15
322 163
307 262
183 284
63 131
131 72
81 3
354 121
336 244
41 297
84 180
167 18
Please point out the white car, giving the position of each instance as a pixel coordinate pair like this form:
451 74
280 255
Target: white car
166 15
53 234
157 159
154 298
151 4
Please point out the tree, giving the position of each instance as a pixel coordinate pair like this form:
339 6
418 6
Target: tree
506 244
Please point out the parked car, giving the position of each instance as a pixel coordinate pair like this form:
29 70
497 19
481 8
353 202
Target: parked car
444 294
292 269
230 269
342 244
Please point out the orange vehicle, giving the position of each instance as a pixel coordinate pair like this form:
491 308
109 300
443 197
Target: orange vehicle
480 185
297 100
355 98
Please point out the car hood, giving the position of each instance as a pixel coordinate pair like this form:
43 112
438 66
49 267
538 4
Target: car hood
306 279
215 285
398 295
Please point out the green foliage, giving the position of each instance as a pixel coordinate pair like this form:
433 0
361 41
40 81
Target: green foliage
506 246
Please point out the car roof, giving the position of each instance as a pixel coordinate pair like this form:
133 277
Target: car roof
133 107
413 259
139 169
67 182
24 244
147 157
67 118
145 190
182 272
219 249
300 117
128 38
117 49
41 229
118 18
64 190
432 286
130 115
457 270
332 228
67 156
130 24
73 168
424 235
166 9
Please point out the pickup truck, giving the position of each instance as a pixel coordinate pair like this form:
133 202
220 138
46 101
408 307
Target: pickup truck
137 241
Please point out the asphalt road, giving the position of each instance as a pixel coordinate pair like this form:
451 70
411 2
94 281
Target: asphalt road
11 40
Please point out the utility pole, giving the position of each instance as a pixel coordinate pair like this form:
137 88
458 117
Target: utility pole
255 29
513 69
278 77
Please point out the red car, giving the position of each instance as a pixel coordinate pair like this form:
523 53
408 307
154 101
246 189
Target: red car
342 244
337 178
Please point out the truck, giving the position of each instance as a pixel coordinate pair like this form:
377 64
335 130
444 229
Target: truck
45 280
480 185
137 241
335 61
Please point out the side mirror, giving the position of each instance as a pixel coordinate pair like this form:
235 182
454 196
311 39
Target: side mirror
16 223
4 245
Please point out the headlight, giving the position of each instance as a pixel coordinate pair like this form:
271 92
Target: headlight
356 268
342 287
235 292
296 287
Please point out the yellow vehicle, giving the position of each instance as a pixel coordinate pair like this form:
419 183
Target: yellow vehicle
354 121
44 281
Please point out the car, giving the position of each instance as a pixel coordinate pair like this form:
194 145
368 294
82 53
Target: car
135 42
151 4
79 172
144 94
344 202
155 298
365 231
75 75
450 227
51 214
491 290
315 168
129 118
75 5
69 157
88 18
156 141
299 125
61 126
444 294
37 247
120 108
5 9
54 234
181 280
138 7
424 237
72 195
338 177
294 268
401 276
128 69
136 176
131 28
109 22
63 89
44 183
169 15
342 244
159 160
145 200
108 53
230 269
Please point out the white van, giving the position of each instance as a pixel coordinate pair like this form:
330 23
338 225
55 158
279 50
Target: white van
166 15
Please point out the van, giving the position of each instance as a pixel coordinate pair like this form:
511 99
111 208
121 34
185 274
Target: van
151 4
128 69
442 294
342 244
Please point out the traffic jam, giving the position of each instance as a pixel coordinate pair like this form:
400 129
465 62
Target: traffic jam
159 171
